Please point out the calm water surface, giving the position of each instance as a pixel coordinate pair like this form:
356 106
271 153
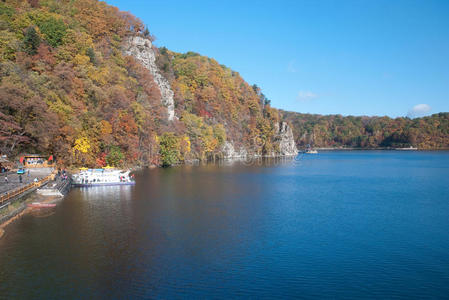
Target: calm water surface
332 225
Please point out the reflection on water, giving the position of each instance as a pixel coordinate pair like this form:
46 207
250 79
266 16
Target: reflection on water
348 224
43 212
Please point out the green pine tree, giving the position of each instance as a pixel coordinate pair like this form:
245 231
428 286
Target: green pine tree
31 41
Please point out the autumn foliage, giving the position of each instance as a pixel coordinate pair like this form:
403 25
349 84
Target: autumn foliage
67 89
430 132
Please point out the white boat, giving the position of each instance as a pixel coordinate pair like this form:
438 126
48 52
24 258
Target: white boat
411 148
102 177
311 151
41 205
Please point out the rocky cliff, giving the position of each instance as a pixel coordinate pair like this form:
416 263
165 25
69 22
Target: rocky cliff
284 138
229 151
142 50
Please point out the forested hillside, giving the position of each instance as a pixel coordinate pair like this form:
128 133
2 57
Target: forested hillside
67 89
370 132
71 87
206 91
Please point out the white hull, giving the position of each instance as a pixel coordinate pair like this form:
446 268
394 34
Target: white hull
102 177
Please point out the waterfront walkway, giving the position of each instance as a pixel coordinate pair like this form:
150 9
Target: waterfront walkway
13 184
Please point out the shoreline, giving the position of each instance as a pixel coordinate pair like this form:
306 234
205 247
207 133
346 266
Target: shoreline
23 201
194 162
17 214
24 209
378 149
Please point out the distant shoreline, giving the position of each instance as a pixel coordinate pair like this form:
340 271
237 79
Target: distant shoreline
380 148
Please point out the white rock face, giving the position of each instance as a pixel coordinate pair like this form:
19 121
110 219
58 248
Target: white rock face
142 50
229 151
284 136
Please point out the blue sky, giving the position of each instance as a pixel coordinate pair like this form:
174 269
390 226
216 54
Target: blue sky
327 57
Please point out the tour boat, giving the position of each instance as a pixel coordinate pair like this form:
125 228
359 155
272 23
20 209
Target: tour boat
41 205
102 177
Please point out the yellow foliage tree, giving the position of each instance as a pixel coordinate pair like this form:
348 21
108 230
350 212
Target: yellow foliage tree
82 145
186 144
81 60
209 144
106 127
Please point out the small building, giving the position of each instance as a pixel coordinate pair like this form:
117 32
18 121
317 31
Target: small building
36 161
5 164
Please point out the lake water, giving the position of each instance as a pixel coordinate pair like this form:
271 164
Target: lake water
360 224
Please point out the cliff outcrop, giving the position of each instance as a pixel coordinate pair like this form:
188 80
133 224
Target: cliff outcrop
284 138
142 49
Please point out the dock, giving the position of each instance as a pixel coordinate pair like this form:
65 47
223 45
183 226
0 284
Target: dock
48 184
13 188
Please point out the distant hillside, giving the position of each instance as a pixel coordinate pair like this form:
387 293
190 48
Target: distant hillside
75 83
369 132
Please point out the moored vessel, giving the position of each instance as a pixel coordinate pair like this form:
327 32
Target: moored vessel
311 151
41 205
102 177
411 148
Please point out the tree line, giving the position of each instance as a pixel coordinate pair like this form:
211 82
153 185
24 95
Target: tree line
431 132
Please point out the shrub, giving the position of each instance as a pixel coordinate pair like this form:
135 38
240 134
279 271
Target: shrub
54 31
115 156
169 149
31 41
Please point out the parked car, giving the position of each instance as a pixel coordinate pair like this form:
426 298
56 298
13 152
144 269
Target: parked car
21 171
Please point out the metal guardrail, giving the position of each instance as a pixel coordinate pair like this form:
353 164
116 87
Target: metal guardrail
18 191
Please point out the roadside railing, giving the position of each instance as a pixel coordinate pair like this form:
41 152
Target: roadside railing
18 191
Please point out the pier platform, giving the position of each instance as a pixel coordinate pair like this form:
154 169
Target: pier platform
13 188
